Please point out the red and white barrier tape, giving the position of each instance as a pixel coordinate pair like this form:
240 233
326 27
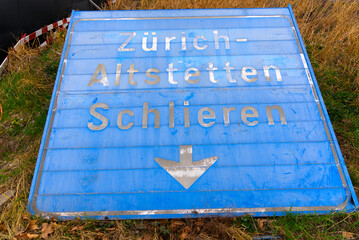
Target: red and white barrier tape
45 43
3 64
27 38
41 31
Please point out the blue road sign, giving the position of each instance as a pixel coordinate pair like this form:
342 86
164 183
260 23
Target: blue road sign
185 113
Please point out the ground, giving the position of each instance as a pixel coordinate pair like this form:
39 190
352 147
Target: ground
331 33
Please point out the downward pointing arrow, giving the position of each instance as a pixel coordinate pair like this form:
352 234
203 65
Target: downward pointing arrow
186 172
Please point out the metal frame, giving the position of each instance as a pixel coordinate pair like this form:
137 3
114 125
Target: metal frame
195 212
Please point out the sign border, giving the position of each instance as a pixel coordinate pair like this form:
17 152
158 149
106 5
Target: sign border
265 211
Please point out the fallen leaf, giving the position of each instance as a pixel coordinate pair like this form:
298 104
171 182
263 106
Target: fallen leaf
147 237
77 228
183 235
186 230
176 225
2 227
199 222
32 226
347 235
46 230
260 223
21 235
110 229
18 233
31 236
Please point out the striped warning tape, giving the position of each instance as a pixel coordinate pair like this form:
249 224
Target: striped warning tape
41 31
50 39
3 65
26 38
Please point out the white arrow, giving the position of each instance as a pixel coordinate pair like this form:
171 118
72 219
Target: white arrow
186 172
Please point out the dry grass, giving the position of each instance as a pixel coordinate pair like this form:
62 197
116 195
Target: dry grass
25 93
331 33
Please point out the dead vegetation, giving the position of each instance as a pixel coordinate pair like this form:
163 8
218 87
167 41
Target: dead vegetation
331 33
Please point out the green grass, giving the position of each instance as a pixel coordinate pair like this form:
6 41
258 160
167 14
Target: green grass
340 91
317 226
24 96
